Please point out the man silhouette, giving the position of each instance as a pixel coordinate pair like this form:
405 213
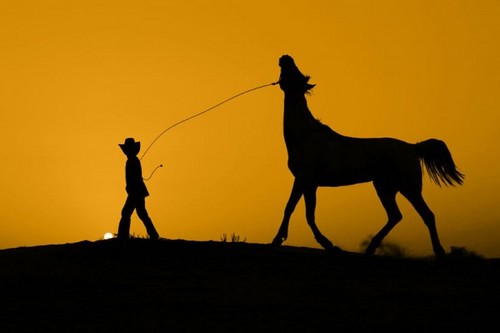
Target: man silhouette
136 190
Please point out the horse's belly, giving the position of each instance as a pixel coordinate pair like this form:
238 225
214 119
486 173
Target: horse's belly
331 171
342 177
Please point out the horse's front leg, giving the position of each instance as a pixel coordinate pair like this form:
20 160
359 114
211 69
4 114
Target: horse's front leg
310 199
290 207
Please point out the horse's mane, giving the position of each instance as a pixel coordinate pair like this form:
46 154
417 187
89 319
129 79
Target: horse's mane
328 131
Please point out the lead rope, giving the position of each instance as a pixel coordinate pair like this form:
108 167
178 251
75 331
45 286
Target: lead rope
197 115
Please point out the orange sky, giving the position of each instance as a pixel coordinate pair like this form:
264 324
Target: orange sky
78 78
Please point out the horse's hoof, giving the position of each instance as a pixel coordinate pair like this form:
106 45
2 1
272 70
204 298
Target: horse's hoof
277 241
369 252
334 250
325 243
441 256
440 253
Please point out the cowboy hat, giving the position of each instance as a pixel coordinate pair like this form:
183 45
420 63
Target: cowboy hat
130 146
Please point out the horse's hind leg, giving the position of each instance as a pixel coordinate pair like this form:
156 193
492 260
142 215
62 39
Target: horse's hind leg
290 207
387 195
427 215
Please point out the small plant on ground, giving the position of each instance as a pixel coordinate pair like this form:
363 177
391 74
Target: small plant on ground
233 238
138 236
460 252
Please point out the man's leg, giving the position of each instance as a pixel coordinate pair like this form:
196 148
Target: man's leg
143 215
124 226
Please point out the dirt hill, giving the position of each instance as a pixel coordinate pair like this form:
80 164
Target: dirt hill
187 286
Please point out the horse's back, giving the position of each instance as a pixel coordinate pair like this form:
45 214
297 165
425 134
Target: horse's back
347 161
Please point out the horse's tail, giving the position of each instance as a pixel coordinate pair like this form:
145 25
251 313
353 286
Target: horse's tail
436 157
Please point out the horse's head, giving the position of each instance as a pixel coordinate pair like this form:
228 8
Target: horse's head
291 79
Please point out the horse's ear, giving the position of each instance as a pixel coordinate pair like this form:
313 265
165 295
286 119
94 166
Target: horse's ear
309 87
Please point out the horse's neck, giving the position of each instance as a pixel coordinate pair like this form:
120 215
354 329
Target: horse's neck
298 122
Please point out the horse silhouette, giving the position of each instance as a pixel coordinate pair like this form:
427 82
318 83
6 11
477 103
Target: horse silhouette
319 156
